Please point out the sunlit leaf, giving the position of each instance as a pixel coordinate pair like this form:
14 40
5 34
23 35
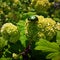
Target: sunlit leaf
47 46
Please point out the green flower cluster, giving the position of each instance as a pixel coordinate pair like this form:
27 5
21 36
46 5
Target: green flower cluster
41 5
47 27
10 32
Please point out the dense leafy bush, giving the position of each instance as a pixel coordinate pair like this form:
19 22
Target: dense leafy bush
47 46
29 29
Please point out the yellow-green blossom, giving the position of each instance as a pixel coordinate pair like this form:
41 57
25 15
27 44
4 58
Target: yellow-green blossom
41 5
15 56
10 32
47 26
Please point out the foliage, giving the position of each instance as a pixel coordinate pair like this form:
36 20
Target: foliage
58 37
29 24
47 46
22 28
5 59
32 28
3 43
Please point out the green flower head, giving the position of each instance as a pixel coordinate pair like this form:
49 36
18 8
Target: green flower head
47 26
10 32
41 5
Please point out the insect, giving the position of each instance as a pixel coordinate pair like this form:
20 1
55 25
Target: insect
32 18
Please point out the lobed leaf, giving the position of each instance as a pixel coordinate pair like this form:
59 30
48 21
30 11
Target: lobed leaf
47 46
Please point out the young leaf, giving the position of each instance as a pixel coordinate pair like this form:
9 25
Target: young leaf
47 46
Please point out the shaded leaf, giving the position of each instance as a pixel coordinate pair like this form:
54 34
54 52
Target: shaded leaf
58 37
56 57
52 55
5 59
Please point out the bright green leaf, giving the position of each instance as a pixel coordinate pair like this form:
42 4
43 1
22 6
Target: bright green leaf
47 46
21 26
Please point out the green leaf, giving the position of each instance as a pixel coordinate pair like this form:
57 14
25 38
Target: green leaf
5 59
22 29
57 19
58 37
3 42
56 57
47 46
52 55
31 13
